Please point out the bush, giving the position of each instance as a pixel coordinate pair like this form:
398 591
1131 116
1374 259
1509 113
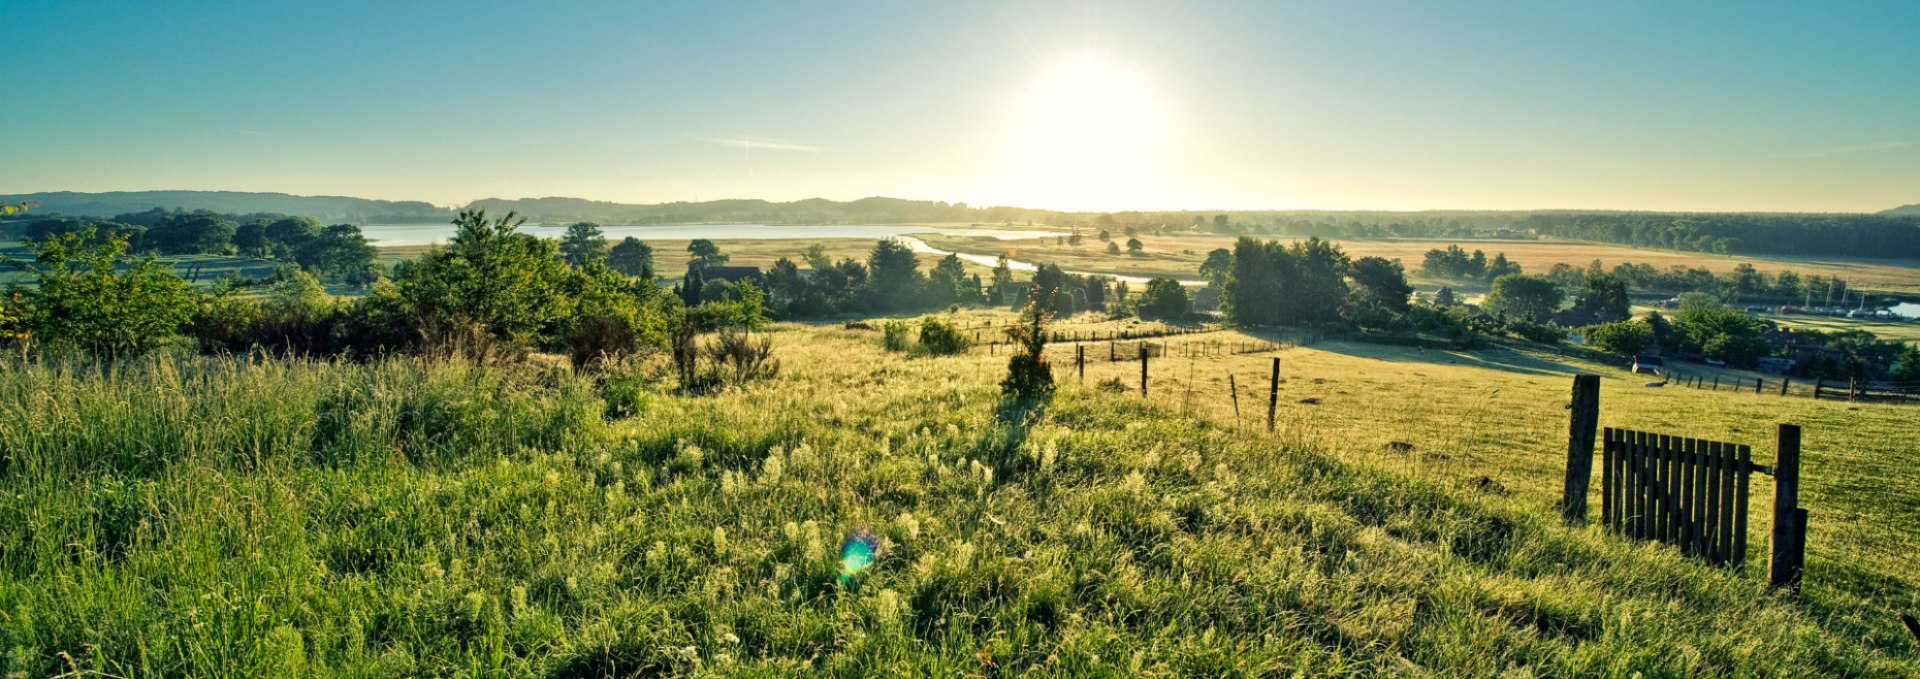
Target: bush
940 338
1544 333
1028 375
896 335
82 301
1627 338
738 356
1164 299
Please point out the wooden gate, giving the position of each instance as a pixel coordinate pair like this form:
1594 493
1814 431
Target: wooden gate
1686 492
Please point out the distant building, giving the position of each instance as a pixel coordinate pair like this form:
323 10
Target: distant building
1649 364
734 274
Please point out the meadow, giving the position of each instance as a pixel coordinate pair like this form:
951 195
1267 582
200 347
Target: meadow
1180 255
247 516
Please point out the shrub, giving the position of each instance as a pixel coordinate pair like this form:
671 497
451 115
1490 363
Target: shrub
1164 299
738 356
1544 333
940 338
896 335
600 338
1627 338
1112 385
83 301
1028 375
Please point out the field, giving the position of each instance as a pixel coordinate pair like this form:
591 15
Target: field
1180 256
219 517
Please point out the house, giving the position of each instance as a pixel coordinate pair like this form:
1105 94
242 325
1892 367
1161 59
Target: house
734 274
1649 364
1580 318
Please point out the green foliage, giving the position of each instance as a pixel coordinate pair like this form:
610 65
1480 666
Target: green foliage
1544 333
1163 299
738 356
1029 378
80 301
1626 338
741 305
1272 283
705 253
940 338
583 242
1720 331
510 284
1134 246
1604 293
1378 283
1523 298
894 277
896 335
631 257
1218 265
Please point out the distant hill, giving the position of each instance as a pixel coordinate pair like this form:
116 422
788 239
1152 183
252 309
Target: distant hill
809 211
323 208
1913 209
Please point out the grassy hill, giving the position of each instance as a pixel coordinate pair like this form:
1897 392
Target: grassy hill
209 516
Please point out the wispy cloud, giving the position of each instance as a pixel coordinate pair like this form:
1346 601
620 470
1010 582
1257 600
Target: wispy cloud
1854 149
750 142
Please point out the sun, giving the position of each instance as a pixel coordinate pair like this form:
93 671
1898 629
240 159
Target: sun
1087 133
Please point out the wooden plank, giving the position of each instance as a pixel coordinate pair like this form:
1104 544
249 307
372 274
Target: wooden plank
1630 499
1606 477
1740 506
1698 512
1662 475
1641 483
1727 473
1710 509
1684 449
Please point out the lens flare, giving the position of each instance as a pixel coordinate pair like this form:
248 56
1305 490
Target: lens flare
857 553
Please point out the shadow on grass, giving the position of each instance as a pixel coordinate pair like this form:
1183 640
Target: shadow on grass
1490 357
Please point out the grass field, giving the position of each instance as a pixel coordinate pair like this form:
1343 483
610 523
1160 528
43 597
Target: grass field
227 517
1180 256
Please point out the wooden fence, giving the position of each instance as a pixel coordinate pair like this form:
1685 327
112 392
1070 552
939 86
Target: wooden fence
1687 492
1853 390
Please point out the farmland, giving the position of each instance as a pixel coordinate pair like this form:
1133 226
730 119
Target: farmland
427 516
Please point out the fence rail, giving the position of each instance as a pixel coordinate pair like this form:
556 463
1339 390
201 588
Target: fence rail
1853 390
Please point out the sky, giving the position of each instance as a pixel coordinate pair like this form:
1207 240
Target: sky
1362 104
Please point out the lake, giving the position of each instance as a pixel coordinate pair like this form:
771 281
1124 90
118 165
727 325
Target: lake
403 235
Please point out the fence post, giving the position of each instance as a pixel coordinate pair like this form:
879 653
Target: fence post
1756 384
1080 360
1273 393
1784 381
1716 382
1789 520
1233 388
1143 370
1580 431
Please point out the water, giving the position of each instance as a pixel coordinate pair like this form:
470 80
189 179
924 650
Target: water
403 235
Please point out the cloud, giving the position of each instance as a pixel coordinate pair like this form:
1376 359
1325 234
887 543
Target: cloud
1853 149
751 142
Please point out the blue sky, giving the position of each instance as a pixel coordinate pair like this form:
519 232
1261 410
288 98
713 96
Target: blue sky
1078 105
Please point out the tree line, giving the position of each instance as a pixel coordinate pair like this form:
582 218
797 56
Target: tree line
338 250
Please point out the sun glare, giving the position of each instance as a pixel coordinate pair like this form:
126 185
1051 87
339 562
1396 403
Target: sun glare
1087 134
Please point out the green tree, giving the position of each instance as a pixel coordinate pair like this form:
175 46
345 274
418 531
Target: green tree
197 232
1627 338
1134 246
1028 375
705 253
1113 248
81 300
1379 283
1524 297
1164 299
631 257
510 284
582 243
1218 264
893 275
948 283
339 250
1603 293
250 240
816 257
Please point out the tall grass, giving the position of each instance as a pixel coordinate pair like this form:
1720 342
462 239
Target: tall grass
221 517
